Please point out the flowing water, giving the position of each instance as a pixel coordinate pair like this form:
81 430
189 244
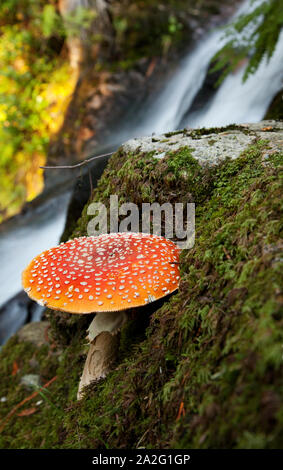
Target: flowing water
22 241
238 102
233 102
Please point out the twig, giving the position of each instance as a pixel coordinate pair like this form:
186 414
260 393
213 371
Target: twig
77 165
30 397
140 440
181 411
226 253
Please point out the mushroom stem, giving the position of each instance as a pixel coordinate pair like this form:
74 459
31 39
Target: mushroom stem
104 343
100 357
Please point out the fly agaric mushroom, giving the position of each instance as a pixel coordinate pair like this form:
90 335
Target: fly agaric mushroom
106 275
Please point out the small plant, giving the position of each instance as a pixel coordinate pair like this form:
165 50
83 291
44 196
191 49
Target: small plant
252 36
35 85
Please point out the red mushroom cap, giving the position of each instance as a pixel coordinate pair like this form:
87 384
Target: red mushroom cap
110 272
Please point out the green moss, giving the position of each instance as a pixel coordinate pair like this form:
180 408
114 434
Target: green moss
214 348
178 132
44 427
19 432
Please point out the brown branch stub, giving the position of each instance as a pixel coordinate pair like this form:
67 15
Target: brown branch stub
181 411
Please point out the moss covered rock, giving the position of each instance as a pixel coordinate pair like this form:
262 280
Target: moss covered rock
202 369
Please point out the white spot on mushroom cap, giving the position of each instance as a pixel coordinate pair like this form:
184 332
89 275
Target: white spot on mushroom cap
127 262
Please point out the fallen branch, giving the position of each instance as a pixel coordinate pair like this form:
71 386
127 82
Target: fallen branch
30 397
77 165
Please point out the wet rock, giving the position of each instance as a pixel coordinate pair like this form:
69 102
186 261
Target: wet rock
15 313
213 147
31 381
34 332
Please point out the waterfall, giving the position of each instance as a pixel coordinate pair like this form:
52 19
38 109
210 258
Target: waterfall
233 102
237 102
167 111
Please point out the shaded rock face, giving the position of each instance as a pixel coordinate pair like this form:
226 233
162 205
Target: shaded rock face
204 368
82 193
275 110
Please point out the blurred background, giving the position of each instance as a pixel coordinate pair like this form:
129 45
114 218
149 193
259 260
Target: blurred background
79 77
